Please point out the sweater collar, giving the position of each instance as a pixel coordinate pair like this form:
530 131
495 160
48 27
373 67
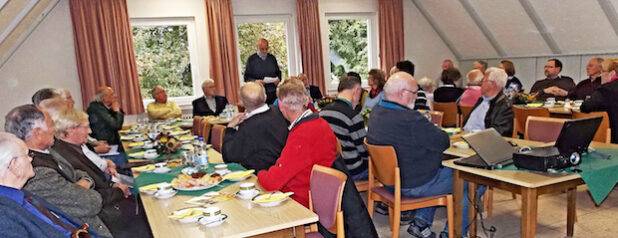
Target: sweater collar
346 101
393 105
14 194
306 116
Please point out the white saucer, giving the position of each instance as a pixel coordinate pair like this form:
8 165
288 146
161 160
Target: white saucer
161 170
203 221
149 156
164 196
188 220
223 172
247 196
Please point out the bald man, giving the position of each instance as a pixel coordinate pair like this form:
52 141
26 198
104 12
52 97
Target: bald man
105 116
256 137
263 68
162 109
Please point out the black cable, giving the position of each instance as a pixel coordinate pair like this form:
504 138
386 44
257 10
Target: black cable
492 230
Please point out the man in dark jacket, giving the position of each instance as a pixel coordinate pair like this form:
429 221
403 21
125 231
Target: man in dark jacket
105 116
493 109
256 137
605 97
210 104
263 68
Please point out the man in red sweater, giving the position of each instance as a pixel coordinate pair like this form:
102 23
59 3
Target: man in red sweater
311 141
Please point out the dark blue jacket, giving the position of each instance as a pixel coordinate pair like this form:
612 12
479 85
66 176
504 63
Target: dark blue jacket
418 143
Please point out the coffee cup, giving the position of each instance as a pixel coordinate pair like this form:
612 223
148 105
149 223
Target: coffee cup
212 213
247 188
164 188
220 168
160 165
150 152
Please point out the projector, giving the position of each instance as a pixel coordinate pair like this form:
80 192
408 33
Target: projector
540 160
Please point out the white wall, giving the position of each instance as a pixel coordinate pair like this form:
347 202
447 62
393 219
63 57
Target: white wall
45 59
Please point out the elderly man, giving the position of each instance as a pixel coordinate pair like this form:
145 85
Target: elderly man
210 104
421 99
256 137
105 116
349 126
555 85
24 214
263 67
481 65
605 97
493 109
162 109
584 89
55 178
311 141
419 146
312 90
42 94
473 92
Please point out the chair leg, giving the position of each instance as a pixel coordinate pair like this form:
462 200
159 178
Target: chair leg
390 217
450 216
370 203
396 219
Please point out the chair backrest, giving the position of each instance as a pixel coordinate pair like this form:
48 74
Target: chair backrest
204 130
241 108
449 109
339 148
521 115
436 116
216 139
464 112
544 129
326 193
602 132
196 125
383 162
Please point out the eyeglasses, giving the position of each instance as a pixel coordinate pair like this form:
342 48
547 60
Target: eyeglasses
410 91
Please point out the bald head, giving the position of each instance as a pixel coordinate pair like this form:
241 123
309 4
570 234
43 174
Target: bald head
252 95
401 88
262 47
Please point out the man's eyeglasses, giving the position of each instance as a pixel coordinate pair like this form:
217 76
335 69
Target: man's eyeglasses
410 91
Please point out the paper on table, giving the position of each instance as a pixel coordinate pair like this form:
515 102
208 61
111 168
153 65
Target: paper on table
270 79
112 151
123 179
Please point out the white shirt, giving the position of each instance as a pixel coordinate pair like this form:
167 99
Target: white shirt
46 151
92 156
305 114
211 103
258 110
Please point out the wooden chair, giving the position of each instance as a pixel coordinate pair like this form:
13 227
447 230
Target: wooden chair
325 197
604 132
543 129
449 109
520 116
196 125
383 165
464 112
361 185
436 116
204 132
216 138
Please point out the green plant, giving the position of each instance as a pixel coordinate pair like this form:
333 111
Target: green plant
348 39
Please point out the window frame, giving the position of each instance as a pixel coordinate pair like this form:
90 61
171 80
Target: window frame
292 43
189 22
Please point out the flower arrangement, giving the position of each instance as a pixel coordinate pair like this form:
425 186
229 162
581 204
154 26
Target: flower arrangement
366 113
166 143
524 98
324 101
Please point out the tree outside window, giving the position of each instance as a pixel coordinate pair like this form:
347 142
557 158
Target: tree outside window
274 32
348 47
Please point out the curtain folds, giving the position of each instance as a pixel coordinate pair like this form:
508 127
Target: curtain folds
104 51
222 45
311 42
390 25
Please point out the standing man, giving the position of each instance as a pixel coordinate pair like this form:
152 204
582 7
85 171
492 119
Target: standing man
555 85
263 67
587 86
210 104
161 109
105 116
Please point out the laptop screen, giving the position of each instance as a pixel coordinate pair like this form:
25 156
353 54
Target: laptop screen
576 135
490 146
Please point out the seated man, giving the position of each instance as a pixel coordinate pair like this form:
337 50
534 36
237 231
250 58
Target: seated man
311 141
349 126
584 88
419 146
210 104
605 97
312 90
55 178
24 214
555 85
256 137
42 94
493 109
421 99
162 109
105 116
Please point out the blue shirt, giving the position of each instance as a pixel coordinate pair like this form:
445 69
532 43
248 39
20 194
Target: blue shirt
476 120
371 102
18 196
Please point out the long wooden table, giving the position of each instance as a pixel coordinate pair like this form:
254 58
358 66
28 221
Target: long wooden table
529 184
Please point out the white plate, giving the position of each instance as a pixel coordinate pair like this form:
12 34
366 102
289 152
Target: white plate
213 223
161 170
149 192
151 156
137 155
223 172
248 196
238 179
165 196
188 220
196 188
268 204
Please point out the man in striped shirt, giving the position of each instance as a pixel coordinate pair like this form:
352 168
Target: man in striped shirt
349 126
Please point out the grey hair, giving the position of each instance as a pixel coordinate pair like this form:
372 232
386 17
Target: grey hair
10 147
475 77
207 81
62 92
392 87
293 94
22 120
100 95
497 75
425 83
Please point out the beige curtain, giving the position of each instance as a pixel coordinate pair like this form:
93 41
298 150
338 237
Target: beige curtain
311 42
390 24
104 51
222 43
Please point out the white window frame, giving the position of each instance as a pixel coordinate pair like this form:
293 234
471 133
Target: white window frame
372 43
293 48
182 101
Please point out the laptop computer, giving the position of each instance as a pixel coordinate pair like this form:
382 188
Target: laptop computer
492 151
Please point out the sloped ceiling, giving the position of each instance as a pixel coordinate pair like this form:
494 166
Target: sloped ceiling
490 29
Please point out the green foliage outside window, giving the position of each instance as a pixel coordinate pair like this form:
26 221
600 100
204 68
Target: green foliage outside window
162 56
348 46
274 32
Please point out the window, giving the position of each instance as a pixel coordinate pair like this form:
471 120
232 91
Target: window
164 55
278 30
352 45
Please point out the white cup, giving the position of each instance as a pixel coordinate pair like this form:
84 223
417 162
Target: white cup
551 99
164 189
220 168
160 165
247 188
212 214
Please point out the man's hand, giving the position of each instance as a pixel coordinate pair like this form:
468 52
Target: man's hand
277 81
116 106
554 90
84 183
125 190
240 117
102 147
111 168
261 81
